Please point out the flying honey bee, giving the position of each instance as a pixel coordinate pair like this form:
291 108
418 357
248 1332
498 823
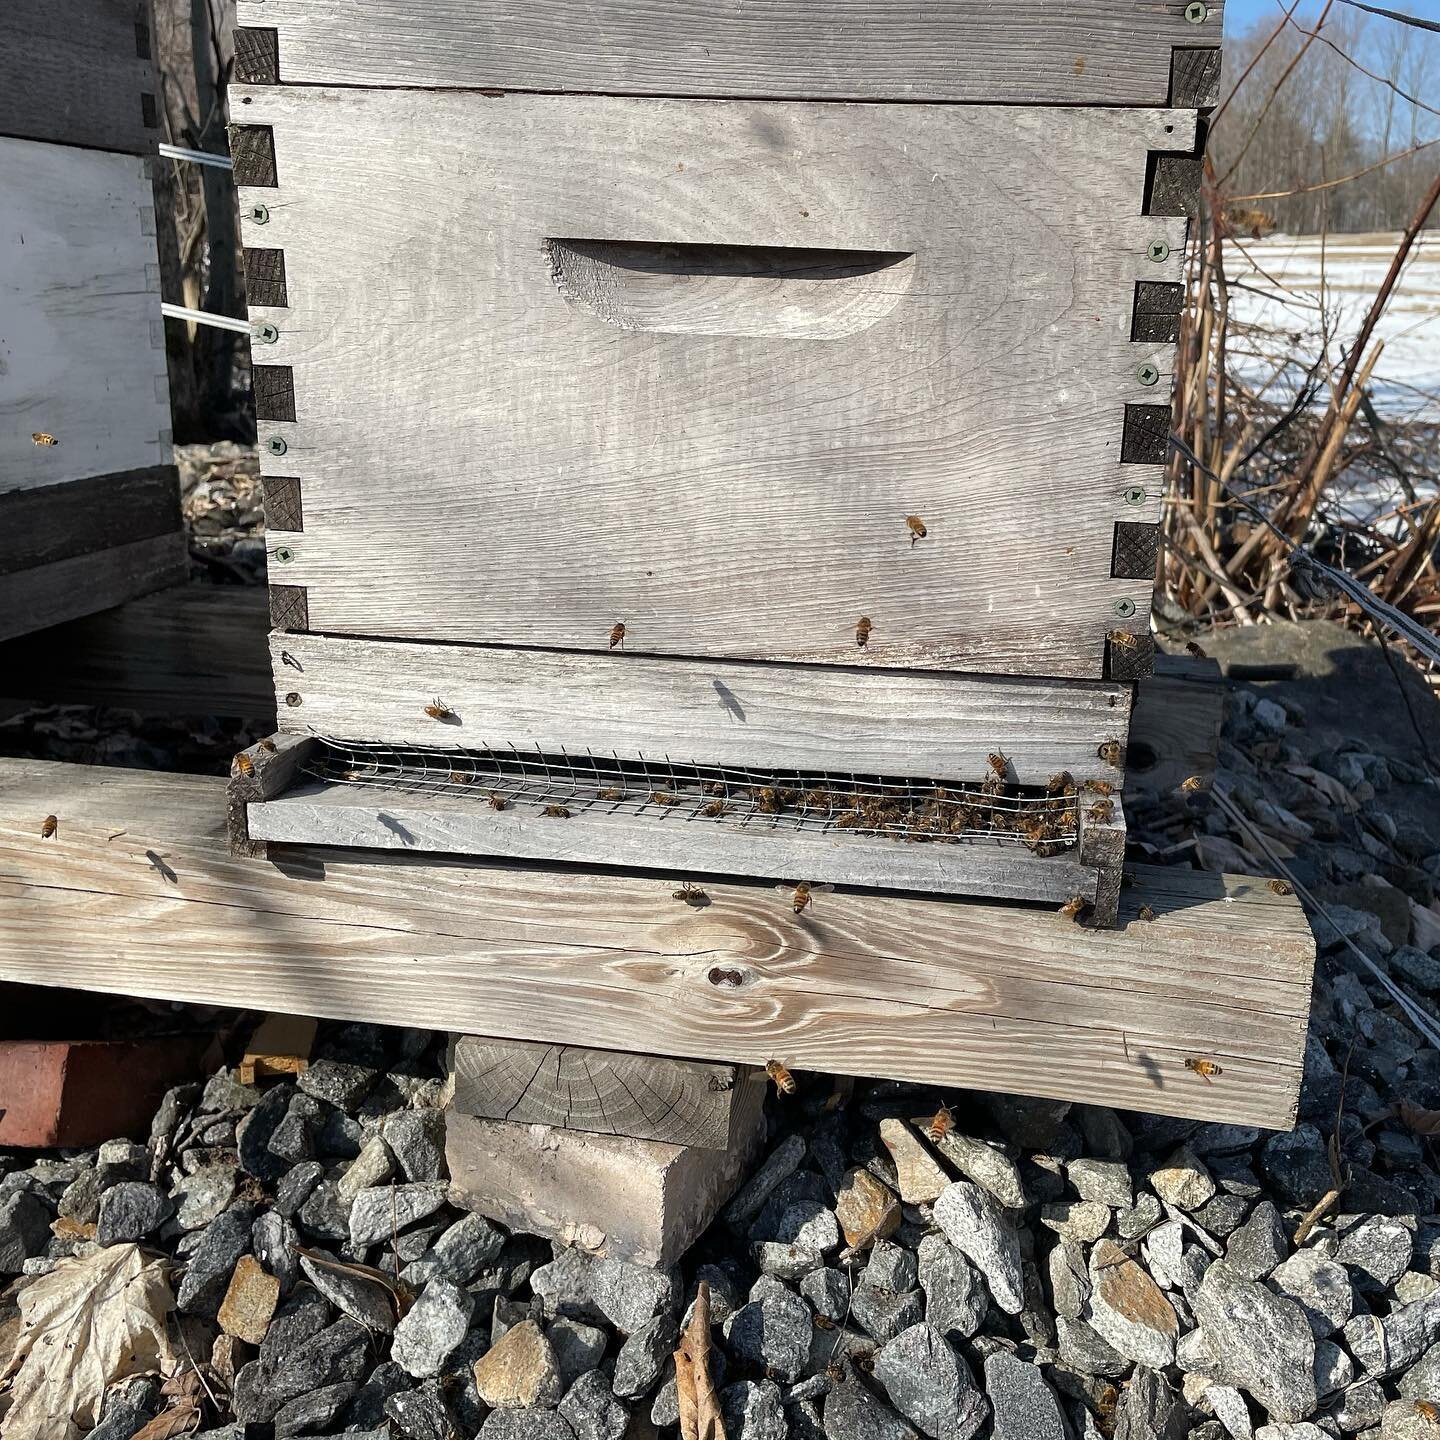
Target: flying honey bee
617 634
556 812
1101 812
862 631
714 809
497 800
1123 639
41 438
1146 913
1194 784
1191 648
802 893
268 746
917 529
784 1080
48 827
1429 1409
1111 752
1072 907
244 765
437 709
692 895
941 1125
1205 1069
1100 787
1280 887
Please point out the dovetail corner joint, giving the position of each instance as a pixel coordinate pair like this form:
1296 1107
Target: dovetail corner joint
1194 77
283 509
265 277
1156 316
252 152
289 608
1146 438
257 55
1136 549
274 387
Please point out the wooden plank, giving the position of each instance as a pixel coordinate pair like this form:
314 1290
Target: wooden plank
1092 52
1175 729
43 524
602 1092
961 995
266 769
190 650
702 712
281 1045
83 348
491 455
74 72
1102 853
64 589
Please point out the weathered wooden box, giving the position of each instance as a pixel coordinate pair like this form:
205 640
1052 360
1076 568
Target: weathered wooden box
712 470
89 498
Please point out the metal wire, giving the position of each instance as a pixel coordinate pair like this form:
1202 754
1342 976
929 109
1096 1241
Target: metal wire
677 793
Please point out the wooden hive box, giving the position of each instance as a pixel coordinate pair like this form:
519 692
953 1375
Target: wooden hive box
89 497
697 437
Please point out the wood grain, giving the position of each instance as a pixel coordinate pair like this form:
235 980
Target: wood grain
1175 732
961 995
260 772
603 1092
484 461
73 72
1091 52
43 524
80 339
697 711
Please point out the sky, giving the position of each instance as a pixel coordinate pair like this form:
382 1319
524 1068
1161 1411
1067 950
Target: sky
1241 14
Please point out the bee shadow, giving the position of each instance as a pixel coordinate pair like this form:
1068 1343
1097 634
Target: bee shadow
727 698
394 826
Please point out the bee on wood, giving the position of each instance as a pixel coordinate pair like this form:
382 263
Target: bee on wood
784 1080
1145 913
617 634
48 826
612 793
1072 907
437 709
1123 639
862 631
715 809
999 764
268 746
916 527
941 1125
1062 783
1101 812
1279 887
498 801
1100 787
459 777
244 765
802 893
1112 752
1195 785
556 812
1191 648
40 437
1205 1069
661 797
692 895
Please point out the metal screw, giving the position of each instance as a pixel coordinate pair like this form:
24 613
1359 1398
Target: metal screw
1125 608
1157 250
1196 13
276 445
266 334
1147 374
284 554
293 699
258 213
1135 495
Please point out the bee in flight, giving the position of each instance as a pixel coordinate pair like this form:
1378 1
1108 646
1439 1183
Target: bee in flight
802 893
941 1125
863 628
1191 648
1205 1069
916 527
437 709
244 765
617 634
48 827
268 746
41 438
1194 784
1072 907
784 1080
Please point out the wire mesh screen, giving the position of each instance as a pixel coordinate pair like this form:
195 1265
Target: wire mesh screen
563 785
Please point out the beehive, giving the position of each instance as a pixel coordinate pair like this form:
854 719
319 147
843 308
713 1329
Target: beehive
89 499
700 436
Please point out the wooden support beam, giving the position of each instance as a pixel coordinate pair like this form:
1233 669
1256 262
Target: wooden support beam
138 893
1175 729
266 769
604 1092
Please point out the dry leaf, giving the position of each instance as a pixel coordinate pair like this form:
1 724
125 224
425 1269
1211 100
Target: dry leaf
695 1388
91 1321
181 1419
400 1293
1418 1119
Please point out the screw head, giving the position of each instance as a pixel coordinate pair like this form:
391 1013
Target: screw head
276 445
1196 13
284 554
1124 608
1135 495
258 214
1157 250
265 334
1147 374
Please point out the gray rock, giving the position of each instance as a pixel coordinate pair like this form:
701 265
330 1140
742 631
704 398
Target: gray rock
788 1262
507 1314
1384 1346
628 1295
366 1410
1360 1407
852 1412
343 1086
1142 1217
891 1266
1105 1181
955 1296
81 1200
1183 1181
1223 1214
1378 1247
1413 1285
930 1385
422 1414
1297 1165
987 1166
578 1347
130 1211
781 1162
883 1313
773 1332
828 1291
417 1138
1263 1343
1422 1380
335 1353
1300 1430
1334 1369
118 1160
305 1314
293 1139
314 1411
642 1357
326 1212
1230 1410
1406 1420
1128 1310
752 1411
255 1131
372 1165
1024 1407
525 1425
225 1095
383 1210
1081 1220
212 1260
1069 1279
431 1329
1087 1352
272 1242
204 1194
975 1224
467 1247
591 1409
1320 1287
1259 1245
296 1187
1150 1410
352 1294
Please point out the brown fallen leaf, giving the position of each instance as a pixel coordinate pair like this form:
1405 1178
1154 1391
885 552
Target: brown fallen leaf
400 1293
65 1227
182 1418
1417 1119
695 1387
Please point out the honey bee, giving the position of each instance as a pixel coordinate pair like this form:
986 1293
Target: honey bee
941 1125
862 631
714 809
823 1322
612 793
1112 752
459 777
437 709
268 746
784 1080
1100 787
917 529
41 438
1123 639
1194 784
802 893
1062 783
499 802
1191 648
48 827
1205 1069
999 764
692 895
617 634
660 797
244 765
768 801
1429 1409
556 812
1072 907
1101 812
1146 913
1280 887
